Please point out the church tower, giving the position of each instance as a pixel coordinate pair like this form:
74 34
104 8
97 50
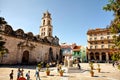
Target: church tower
46 27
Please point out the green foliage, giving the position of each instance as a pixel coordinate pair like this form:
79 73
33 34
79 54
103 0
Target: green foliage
116 56
119 67
47 65
3 50
114 5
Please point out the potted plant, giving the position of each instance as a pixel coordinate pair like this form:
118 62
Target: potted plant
91 65
92 73
39 66
98 68
47 70
61 72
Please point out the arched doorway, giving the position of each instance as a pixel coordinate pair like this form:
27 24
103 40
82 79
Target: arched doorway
103 56
51 57
97 56
92 56
25 57
110 56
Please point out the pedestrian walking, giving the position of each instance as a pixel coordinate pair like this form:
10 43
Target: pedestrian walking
113 63
11 75
28 75
37 75
22 72
78 64
18 73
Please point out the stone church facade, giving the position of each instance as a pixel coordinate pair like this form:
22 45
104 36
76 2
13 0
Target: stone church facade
26 48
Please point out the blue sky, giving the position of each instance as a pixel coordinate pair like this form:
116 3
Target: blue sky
71 19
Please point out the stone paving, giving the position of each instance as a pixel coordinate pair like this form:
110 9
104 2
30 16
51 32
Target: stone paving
108 72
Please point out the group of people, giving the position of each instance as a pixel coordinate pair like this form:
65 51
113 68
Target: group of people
20 75
115 63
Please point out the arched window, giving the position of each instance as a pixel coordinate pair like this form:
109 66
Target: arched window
43 22
48 22
44 33
49 34
49 29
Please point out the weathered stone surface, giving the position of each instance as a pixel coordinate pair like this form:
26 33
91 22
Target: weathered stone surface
27 48
37 51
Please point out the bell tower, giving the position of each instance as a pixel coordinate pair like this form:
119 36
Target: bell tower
46 27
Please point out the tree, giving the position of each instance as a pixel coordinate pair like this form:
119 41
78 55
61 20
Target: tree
3 50
114 5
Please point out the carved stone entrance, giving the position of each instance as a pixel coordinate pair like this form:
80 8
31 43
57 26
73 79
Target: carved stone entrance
25 57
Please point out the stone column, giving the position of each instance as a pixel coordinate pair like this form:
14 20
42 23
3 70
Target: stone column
107 57
88 56
70 63
65 62
94 56
100 57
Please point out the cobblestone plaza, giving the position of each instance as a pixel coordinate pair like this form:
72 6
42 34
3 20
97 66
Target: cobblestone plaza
108 72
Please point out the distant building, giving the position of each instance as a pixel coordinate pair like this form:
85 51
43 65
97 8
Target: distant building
100 42
73 51
25 48
66 50
79 52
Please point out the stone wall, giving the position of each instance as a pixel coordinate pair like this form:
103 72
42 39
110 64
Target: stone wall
37 51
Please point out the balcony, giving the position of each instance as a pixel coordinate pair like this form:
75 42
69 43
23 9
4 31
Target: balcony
99 40
101 49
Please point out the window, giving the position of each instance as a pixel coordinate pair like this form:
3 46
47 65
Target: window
102 46
90 39
44 33
95 42
49 34
95 47
43 22
90 42
101 38
95 38
49 22
102 42
44 29
108 37
95 34
109 46
108 33
90 34
90 47
49 29
109 42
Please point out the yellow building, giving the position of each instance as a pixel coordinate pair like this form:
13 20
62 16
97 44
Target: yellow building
99 47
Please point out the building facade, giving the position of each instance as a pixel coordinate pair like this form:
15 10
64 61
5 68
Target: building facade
100 42
66 50
25 48
79 52
74 51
